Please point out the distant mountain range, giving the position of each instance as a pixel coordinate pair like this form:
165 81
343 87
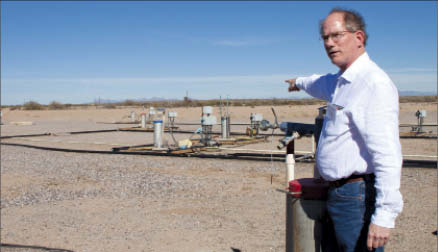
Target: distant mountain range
135 100
401 93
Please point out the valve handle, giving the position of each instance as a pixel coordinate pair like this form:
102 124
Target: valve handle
275 116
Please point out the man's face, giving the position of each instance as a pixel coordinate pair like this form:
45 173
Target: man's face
348 45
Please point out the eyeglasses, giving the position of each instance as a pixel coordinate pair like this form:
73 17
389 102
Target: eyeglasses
335 36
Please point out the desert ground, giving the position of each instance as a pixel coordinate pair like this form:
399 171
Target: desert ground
66 201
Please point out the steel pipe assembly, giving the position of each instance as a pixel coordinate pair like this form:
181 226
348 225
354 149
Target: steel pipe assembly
217 144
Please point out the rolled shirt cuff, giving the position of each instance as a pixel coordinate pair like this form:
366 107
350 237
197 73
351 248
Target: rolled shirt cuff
383 218
300 82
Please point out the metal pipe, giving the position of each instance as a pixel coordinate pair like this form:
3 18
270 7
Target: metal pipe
224 127
290 151
228 126
420 156
158 126
290 168
133 119
303 228
269 151
143 120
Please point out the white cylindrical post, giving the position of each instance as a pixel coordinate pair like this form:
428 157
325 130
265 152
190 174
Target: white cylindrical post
158 125
290 168
228 127
224 127
143 120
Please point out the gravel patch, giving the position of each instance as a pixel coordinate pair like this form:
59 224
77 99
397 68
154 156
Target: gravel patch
57 201
91 202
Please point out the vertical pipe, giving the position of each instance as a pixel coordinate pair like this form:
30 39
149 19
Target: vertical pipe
303 225
223 127
290 168
290 151
158 125
228 126
143 120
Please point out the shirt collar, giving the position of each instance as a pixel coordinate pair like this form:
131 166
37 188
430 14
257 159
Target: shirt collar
354 68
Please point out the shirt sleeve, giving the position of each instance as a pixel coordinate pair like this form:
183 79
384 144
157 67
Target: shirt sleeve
378 126
318 86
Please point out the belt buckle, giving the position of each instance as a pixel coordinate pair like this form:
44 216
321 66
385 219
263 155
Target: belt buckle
336 183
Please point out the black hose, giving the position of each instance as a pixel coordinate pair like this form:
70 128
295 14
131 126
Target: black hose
48 134
238 156
32 135
27 247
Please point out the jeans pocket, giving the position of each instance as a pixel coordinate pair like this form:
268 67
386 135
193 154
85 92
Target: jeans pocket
354 190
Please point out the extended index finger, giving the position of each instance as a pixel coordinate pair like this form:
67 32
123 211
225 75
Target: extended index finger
370 242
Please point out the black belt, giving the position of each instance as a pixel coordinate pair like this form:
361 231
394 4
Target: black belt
351 179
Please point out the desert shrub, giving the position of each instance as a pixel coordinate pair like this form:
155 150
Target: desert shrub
129 103
32 105
109 106
15 107
54 105
413 99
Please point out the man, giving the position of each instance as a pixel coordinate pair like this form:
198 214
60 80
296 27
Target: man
359 149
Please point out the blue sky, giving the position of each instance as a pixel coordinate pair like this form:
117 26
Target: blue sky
77 52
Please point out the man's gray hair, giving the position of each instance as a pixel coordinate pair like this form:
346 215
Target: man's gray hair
352 19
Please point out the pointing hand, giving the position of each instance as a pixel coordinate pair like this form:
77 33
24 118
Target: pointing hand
292 86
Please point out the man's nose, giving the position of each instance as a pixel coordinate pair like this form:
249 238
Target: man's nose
329 42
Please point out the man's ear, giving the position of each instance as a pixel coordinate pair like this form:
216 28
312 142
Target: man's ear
360 38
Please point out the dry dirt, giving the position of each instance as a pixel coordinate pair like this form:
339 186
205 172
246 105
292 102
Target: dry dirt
58 201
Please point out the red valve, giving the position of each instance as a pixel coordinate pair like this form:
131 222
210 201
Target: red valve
309 188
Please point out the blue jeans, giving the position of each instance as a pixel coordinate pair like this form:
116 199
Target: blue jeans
350 207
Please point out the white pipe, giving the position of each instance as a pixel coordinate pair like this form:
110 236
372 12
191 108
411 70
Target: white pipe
158 124
143 120
270 151
132 116
224 129
420 156
306 152
290 168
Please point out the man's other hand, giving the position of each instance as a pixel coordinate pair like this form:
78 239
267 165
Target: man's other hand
377 236
292 86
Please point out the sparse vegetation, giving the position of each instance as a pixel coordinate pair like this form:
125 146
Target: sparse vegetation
408 99
14 107
32 105
129 103
54 105
109 106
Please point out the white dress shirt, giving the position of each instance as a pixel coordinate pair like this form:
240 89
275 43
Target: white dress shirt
360 134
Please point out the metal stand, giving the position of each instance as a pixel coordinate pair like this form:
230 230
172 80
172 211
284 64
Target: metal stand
303 230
